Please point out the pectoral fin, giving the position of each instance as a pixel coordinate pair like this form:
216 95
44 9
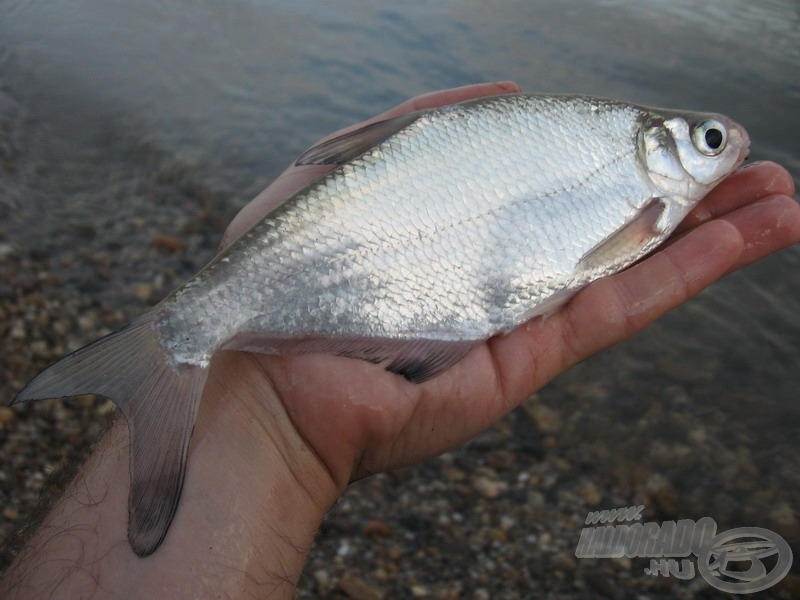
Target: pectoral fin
353 144
628 243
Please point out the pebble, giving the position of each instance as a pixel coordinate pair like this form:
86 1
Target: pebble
663 494
454 474
686 370
501 459
343 548
6 414
85 401
107 409
61 327
40 349
498 535
698 436
490 440
377 529
785 519
549 443
167 242
358 589
564 561
507 523
17 331
419 591
87 321
6 250
143 291
322 579
600 584
591 494
791 585
623 562
489 488
536 499
448 593
547 420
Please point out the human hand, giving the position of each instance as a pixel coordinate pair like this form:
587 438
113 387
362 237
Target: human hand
359 419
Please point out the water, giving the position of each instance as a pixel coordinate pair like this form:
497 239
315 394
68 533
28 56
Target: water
238 88
227 93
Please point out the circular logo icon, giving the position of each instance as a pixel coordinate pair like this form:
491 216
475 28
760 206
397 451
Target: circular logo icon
732 562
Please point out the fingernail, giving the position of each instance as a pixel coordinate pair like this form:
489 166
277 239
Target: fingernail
508 86
757 163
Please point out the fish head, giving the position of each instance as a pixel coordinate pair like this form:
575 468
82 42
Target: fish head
686 153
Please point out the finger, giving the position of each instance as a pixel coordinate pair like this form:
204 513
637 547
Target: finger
745 185
766 226
451 96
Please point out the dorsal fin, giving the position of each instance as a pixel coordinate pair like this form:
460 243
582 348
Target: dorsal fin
353 144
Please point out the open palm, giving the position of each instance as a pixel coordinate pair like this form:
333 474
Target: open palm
360 419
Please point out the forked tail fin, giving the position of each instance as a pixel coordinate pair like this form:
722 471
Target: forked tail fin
159 400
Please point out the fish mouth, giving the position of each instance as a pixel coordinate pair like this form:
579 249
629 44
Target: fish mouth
744 151
738 135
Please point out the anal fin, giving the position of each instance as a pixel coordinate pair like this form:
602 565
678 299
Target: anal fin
415 359
425 359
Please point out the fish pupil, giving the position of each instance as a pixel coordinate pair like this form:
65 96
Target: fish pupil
713 138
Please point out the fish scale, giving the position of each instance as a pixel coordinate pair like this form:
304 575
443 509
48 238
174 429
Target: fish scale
432 232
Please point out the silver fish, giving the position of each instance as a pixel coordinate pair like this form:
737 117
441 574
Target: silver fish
435 230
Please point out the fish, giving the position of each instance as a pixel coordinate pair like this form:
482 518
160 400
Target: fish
433 231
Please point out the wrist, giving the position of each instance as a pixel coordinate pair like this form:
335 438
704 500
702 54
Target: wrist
253 498
255 491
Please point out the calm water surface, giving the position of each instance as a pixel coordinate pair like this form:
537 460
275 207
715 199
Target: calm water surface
232 91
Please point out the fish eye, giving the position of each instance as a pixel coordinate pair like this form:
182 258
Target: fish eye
709 137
